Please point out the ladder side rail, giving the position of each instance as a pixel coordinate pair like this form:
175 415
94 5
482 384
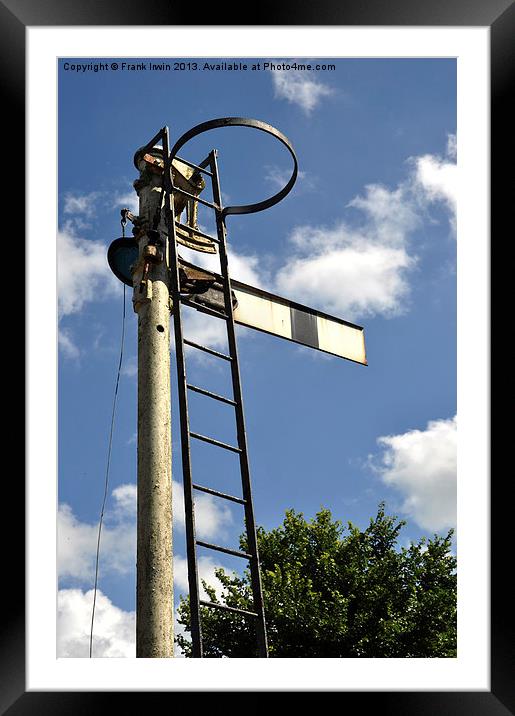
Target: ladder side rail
260 624
193 581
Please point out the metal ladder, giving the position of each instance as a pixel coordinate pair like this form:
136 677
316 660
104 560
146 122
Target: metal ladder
209 168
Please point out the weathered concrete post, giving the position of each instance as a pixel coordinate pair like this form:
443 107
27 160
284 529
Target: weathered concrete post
154 588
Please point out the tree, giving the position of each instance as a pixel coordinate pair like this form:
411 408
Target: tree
331 591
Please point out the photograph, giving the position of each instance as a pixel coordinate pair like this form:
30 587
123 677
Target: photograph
326 522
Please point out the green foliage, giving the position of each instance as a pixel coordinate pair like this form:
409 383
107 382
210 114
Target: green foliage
331 591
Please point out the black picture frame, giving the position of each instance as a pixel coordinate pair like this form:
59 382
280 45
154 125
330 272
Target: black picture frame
499 16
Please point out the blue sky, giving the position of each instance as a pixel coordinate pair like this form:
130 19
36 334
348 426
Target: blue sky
367 234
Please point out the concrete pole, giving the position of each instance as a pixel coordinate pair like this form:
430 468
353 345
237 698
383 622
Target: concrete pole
154 587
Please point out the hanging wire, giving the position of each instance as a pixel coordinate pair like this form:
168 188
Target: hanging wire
107 470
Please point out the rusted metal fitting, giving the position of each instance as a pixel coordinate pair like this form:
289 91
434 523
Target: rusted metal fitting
152 254
149 161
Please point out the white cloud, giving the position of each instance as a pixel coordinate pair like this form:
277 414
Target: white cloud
354 272
80 203
279 178
300 87
75 204
363 269
388 215
125 497
66 344
436 177
114 629
353 280
212 516
83 274
452 146
202 329
77 541
421 465
246 269
130 367
206 571
126 200
114 633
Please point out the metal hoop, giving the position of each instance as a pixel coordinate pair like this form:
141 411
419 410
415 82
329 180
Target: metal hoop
254 124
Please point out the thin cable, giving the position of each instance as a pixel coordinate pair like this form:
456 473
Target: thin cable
106 477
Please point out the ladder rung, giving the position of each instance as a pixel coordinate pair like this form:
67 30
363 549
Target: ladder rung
203 309
197 232
207 350
215 442
216 493
196 389
228 609
194 166
196 198
226 550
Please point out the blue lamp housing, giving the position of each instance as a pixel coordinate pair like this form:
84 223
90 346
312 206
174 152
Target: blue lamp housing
121 256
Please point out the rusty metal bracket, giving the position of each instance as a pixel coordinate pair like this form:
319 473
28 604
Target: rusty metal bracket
190 183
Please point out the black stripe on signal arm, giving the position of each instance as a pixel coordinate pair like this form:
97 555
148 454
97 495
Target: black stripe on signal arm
304 327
